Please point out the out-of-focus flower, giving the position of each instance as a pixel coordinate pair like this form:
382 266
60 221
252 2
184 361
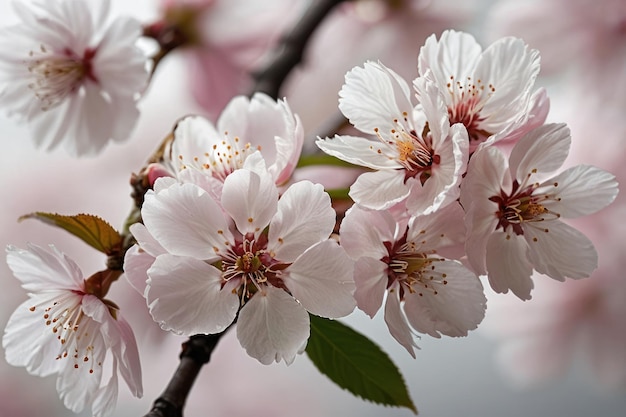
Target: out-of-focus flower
227 40
273 257
75 82
205 154
438 295
513 215
418 157
63 329
490 91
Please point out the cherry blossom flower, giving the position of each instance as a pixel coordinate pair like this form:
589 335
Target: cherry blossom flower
417 157
514 217
437 295
270 262
63 329
490 91
206 154
74 82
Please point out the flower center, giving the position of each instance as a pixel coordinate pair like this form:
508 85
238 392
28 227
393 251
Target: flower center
468 100
249 261
521 206
411 269
223 158
415 153
58 75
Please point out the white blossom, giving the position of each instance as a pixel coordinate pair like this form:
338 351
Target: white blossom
62 329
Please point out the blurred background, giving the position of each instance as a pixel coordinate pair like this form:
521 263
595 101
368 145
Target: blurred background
561 354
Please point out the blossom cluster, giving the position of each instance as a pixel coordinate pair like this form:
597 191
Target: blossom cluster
459 182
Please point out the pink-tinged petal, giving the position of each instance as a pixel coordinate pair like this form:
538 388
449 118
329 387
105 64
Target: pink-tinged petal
273 326
268 125
434 109
479 227
542 150
26 344
397 323
370 278
374 98
363 232
455 54
193 136
487 175
452 305
39 269
560 251
105 398
379 190
146 241
368 153
579 191
444 227
322 280
508 265
136 265
120 339
178 282
304 217
120 69
186 221
537 114
77 386
250 199
511 68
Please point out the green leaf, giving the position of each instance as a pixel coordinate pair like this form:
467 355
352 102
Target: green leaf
355 363
89 228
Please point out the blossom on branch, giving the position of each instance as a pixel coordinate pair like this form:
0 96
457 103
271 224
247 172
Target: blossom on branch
73 80
205 154
269 261
513 214
490 91
432 294
65 330
417 156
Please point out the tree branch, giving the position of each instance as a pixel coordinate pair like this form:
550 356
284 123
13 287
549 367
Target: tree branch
196 352
291 49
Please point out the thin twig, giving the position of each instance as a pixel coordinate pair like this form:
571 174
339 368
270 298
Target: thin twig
196 352
291 48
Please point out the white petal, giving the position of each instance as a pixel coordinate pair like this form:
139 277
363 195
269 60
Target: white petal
363 232
321 279
508 265
373 97
27 342
273 326
397 323
442 228
193 136
136 265
370 278
379 190
186 221
185 295
453 303
455 54
250 199
304 217
105 399
543 149
372 154
434 109
511 67
559 251
579 191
